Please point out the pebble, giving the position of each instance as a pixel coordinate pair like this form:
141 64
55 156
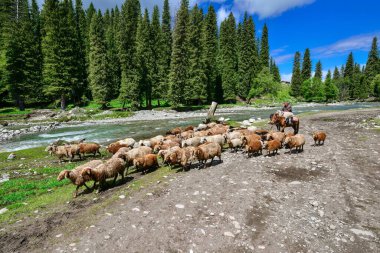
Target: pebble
321 213
180 206
107 237
3 210
236 224
59 235
261 247
122 196
136 209
72 244
229 234
362 232
332 227
294 183
149 194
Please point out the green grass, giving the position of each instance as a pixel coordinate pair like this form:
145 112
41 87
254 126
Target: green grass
14 111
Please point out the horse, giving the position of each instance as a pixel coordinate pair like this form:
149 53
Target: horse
281 123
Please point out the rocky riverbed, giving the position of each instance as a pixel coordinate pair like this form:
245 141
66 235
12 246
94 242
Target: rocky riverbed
324 199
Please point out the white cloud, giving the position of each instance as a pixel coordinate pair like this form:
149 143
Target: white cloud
361 42
268 8
286 77
222 14
283 58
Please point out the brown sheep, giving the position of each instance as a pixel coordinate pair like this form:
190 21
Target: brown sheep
188 128
146 163
114 147
187 156
76 177
121 153
235 144
297 141
248 138
272 146
261 132
164 146
175 131
187 134
110 169
319 137
208 151
289 134
136 153
201 133
72 151
280 136
89 148
254 147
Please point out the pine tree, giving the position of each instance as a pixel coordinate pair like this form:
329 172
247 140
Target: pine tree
264 50
373 65
336 74
359 90
210 51
247 60
197 83
306 66
129 88
144 58
17 54
166 51
156 48
318 71
54 78
296 81
228 58
90 12
331 89
349 73
179 61
98 66
275 71
112 52
81 38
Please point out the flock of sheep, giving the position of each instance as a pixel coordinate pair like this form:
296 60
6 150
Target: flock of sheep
179 147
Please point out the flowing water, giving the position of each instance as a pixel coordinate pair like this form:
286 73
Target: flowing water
106 133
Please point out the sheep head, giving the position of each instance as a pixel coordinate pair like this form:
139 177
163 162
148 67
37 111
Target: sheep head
86 171
63 174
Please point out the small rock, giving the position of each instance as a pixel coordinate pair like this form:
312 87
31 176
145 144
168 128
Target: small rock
11 156
107 237
362 232
59 235
3 210
261 247
314 203
294 183
229 234
180 206
136 209
72 244
332 227
122 196
321 213
149 194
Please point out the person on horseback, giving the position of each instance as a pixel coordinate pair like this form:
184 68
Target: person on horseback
287 112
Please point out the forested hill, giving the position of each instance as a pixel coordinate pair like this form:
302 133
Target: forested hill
64 54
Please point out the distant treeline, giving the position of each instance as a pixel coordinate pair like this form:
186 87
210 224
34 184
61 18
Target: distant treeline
351 81
65 54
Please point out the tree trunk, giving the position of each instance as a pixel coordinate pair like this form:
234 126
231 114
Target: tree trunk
20 103
123 107
63 102
158 103
211 112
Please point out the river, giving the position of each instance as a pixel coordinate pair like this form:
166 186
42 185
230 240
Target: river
106 133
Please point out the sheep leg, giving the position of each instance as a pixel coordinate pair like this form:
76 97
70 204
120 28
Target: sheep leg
86 186
114 180
93 186
76 191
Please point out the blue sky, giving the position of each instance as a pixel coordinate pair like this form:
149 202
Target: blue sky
330 28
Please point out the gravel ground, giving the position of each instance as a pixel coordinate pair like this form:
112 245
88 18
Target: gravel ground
325 199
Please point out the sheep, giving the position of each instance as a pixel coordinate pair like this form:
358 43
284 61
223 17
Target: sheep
89 148
261 132
72 151
111 168
254 147
128 141
121 153
208 151
297 141
289 134
175 131
188 155
201 127
280 136
220 139
211 124
172 138
59 151
173 157
155 140
194 142
188 128
248 138
76 177
201 133
146 163
136 153
164 146
233 135
272 146
114 147
235 144
218 129
164 154
146 143
187 134
319 137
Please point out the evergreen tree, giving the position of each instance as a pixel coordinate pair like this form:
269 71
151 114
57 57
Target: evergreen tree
373 65
210 51
349 73
130 86
318 71
54 74
376 85
81 38
98 66
197 84
331 89
179 61
264 50
144 58
228 58
156 48
112 52
90 12
275 71
247 60
296 81
336 74
359 91
166 51
306 66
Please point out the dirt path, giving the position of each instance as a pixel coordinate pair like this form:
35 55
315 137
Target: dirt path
325 199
